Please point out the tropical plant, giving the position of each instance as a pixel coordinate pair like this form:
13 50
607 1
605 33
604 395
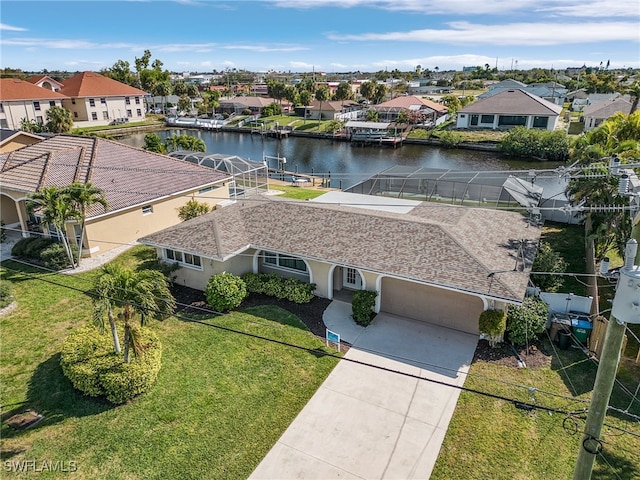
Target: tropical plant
193 209
136 293
83 196
59 120
55 207
322 95
153 143
549 261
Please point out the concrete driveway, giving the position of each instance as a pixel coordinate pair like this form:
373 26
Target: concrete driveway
366 422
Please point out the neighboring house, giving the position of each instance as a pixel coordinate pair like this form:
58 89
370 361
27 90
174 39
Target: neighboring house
430 110
508 109
581 100
333 109
46 82
238 105
426 87
14 139
23 100
553 92
143 189
94 99
440 264
597 113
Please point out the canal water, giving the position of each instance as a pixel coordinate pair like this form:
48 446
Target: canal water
346 163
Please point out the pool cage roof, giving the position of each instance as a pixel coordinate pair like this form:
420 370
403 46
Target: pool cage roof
231 164
250 177
497 189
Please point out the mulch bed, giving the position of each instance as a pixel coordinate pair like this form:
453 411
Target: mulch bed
193 301
503 354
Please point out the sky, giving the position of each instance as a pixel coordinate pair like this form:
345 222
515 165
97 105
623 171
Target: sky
320 35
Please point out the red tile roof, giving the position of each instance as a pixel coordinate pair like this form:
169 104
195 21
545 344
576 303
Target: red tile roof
14 89
91 84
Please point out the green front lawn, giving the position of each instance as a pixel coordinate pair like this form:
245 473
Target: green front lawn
221 401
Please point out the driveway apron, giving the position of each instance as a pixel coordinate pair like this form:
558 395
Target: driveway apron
383 411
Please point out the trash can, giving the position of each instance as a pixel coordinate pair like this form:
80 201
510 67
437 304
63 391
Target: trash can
581 329
564 339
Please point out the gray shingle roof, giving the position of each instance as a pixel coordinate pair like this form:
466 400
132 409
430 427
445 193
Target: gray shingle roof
129 176
513 102
457 247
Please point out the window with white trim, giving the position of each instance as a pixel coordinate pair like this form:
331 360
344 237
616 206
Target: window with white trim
147 209
281 260
36 106
94 115
183 258
92 102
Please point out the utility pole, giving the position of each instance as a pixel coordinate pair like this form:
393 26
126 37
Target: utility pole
626 309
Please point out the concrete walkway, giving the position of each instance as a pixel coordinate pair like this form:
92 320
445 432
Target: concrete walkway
366 422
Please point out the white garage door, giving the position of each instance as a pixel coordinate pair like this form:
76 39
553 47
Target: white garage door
431 304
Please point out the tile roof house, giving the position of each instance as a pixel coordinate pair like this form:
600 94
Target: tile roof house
430 110
238 105
23 100
93 99
332 109
143 189
508 109
597 113
437 263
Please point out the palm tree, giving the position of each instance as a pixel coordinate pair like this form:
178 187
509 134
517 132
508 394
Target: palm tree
144 293
55 207
59 120
322 95
83 196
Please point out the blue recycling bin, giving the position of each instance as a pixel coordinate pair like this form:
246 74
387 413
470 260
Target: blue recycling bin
581 329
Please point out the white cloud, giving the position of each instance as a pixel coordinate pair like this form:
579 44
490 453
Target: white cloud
303 65
10 28
579 8
264 48
527 34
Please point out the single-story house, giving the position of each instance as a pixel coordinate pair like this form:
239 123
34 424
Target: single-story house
553 92
597 113
143 190
428 110
237 105
508 109
440 264
331 109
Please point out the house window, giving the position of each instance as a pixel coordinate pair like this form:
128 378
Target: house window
105 115
94 116
39 119
139 112
284 261
147 209
52 103
127 101
474 120
540 122
183 258
36 106
137 100
75 114
73 101
512 120
486 118
92 102
129 113
103 101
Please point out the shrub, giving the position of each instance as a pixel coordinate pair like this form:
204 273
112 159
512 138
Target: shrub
225 291
362 306
88 361
54 257
450 139
525 322
548 260
272 285
493 324
540 144
6 293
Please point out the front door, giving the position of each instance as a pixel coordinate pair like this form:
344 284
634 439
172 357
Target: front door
352 279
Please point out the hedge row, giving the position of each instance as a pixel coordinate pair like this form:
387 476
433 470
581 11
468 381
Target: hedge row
43 250
272 285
